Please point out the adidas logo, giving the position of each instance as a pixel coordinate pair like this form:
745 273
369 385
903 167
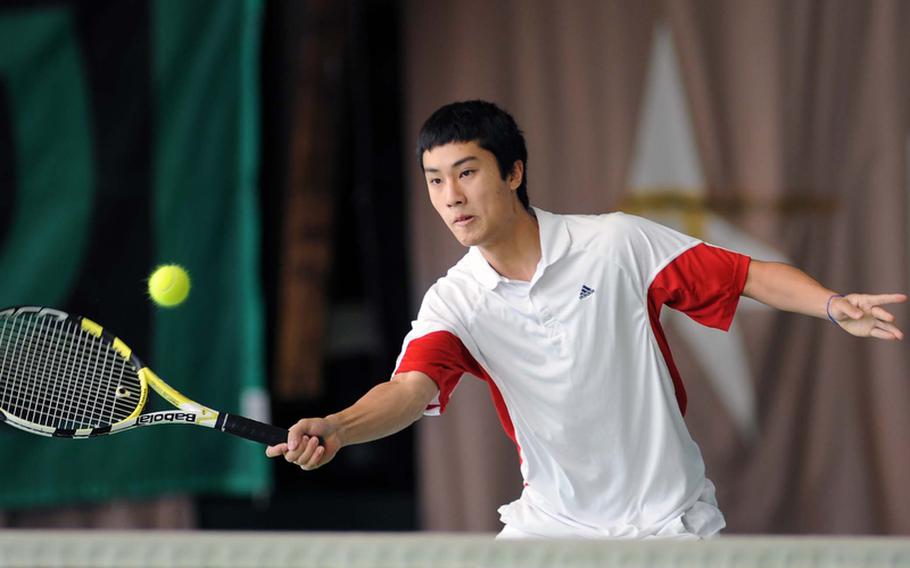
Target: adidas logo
585 292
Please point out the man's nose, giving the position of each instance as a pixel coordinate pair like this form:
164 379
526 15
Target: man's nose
454 195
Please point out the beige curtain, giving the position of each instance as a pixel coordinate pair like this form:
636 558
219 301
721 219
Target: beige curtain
800 113
800 110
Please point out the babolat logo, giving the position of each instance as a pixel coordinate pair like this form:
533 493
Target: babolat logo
167 417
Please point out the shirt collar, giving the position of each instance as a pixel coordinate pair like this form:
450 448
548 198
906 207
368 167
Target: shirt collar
554 243
554 236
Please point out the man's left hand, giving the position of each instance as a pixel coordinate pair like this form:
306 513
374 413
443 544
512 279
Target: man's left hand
862 315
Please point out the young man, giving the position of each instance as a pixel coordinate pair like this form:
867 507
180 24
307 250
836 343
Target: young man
559 314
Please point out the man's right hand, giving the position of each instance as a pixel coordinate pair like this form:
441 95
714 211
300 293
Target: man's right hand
385 409
303 447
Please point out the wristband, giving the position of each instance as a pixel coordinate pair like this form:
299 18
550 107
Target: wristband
828 308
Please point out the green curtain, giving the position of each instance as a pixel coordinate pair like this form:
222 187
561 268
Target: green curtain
134 141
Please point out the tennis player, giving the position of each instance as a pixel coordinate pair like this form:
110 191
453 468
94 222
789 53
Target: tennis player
559 315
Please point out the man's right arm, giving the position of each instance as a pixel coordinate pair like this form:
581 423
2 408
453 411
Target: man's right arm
385 409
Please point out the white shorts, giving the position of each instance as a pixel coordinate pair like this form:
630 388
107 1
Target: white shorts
511 533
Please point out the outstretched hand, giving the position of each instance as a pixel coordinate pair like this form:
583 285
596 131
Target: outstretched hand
862 315
303 447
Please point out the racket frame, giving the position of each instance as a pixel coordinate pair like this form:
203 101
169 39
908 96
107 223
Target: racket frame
186 411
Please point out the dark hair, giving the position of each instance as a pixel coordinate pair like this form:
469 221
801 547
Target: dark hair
492 128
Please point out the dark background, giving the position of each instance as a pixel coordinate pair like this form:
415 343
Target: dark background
370 486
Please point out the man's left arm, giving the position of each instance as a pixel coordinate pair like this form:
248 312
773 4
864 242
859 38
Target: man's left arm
787 288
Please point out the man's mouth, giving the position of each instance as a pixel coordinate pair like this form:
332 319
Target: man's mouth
463 220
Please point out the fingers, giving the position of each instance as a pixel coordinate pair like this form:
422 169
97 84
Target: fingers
861 315
859 306
305 445
308 454
850 306
888 329
295 434
882 334
876 312
852 311
880 299
881 314
315 457
276 450
868 300
306 428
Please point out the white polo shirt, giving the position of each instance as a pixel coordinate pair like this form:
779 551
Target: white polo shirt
580 371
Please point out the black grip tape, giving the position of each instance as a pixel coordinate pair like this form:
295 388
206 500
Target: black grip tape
254 430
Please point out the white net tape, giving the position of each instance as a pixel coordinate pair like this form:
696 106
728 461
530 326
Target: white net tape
98 549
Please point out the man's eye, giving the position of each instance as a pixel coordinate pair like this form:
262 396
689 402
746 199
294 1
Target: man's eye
466 173
435 181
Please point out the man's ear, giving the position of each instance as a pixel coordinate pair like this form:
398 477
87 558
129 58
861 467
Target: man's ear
517 175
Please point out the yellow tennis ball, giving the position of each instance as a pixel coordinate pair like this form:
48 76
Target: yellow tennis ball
169 285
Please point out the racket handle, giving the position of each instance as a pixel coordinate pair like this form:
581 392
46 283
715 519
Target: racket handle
253 430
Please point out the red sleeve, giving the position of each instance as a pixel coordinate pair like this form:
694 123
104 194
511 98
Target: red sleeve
705 283
443 357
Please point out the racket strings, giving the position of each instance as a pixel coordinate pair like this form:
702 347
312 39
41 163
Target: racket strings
61 404
28 398
89 404
56 374
25 396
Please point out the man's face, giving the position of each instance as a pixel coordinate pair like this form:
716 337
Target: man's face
465 187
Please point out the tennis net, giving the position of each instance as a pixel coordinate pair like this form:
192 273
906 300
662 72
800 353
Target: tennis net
202 549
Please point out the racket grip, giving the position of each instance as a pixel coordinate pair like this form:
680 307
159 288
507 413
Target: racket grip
253 430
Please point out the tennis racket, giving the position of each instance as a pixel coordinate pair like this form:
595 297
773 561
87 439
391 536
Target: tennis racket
65 376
